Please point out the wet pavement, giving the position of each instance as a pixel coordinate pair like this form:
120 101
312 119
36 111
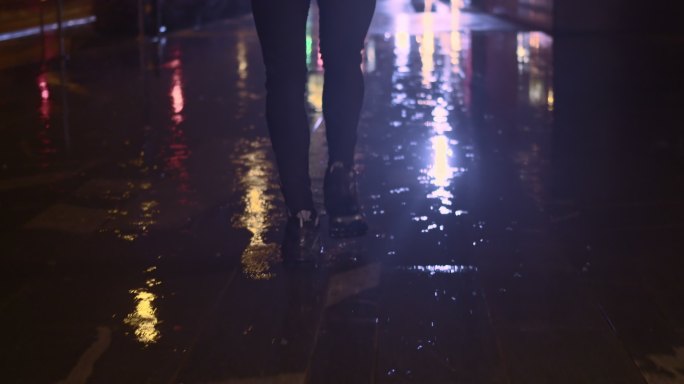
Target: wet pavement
524 194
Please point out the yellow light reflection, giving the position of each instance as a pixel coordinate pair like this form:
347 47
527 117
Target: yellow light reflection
142 223
456 47
440 118
449 46
455 40
402 43
441 172
244 96
427 45
456 6
315 90
536 92
243 63
521 51
550 99
535 40
531 60
258 216
144 317
149 211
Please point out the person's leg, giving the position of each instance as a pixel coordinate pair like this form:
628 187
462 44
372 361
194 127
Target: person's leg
281 26
343 26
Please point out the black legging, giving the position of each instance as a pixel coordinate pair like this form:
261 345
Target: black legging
281 25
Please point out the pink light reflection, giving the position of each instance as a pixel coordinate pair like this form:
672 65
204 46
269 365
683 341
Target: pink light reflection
44 96
178 102
179 151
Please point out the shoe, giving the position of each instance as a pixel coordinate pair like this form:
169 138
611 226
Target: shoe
302 240
342 202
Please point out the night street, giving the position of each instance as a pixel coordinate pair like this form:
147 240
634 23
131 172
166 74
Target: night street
524 192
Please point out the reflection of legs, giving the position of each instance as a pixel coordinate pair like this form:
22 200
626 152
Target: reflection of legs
281 26
343 26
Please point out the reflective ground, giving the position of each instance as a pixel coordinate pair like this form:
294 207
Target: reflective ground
524 194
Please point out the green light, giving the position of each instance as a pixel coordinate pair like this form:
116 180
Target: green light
309 49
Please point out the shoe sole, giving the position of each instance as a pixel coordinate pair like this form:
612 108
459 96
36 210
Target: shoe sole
347 226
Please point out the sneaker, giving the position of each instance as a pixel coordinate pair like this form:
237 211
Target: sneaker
342 202
302 241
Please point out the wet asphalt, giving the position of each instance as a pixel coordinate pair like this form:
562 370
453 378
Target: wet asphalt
524 193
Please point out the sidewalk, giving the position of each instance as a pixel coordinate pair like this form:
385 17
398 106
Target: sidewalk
525 226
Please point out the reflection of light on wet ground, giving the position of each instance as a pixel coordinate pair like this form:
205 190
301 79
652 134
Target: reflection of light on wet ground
440 59
440 269
441 171
46 144
147 217
144 317
370 59
521 51
179 152
444 211
309 48
43 86
134 221
259 215
455 9
177 96
314 59
314 63
311 41
402 43
243 63
427 46
533 49
127 222
456 46
315 91
242 69
176 93
176 163
440 118
534 40
535 91
149 209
